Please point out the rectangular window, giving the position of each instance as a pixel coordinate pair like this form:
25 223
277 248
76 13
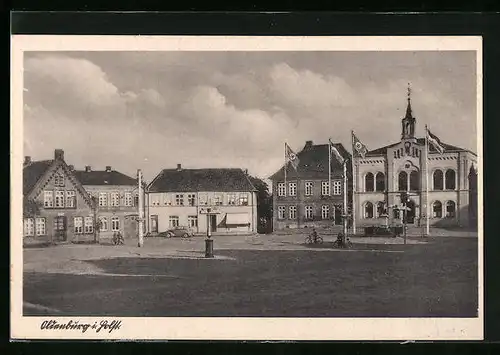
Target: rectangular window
243 199
292 188
103 199
89 225
29 227
114 199
78 223
292 212
281 189
48 199
59 179
217 200
191 199
128 199
325 188
103 224
59 199
173 221
337 187
70 199
231 199
179 200
325 212
281 212
203 199
308 212
115 224
193 221
155 200
309 188
40 226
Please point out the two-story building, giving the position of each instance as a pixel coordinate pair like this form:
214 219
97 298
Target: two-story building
449 178
56 207
307 199
116 196
181 197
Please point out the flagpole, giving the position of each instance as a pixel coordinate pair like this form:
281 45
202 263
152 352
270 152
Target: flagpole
427 212
354 186
284 168
345 197
329 166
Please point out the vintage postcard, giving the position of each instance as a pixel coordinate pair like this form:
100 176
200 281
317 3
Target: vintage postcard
246 188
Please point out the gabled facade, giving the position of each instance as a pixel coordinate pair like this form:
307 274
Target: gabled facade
307 199
387 171
116 197
180 197
56 206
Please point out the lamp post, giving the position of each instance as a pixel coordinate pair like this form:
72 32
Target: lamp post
140 211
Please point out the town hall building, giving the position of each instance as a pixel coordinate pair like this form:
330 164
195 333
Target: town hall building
382 174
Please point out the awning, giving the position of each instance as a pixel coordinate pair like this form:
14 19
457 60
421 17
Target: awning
237 219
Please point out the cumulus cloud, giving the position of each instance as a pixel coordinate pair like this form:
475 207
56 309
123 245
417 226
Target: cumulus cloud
151 111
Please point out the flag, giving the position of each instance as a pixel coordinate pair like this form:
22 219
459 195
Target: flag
335 152
291 157
435 142
358 147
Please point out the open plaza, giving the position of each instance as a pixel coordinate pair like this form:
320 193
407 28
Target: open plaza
274 275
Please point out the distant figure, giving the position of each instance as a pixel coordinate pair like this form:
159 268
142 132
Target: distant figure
314 235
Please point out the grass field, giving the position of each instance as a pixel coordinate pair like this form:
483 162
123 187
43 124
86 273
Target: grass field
436 279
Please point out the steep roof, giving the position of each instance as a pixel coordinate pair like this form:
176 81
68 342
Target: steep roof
420 141
313 163
192 180
104 178
33 172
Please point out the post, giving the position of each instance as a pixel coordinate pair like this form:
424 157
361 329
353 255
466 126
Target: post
404 221
427 212
209 243
140 211
345 197
354 189
284 170
329 166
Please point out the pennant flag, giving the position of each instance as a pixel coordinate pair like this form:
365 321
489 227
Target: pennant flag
435 142
291 157
335 152
358 147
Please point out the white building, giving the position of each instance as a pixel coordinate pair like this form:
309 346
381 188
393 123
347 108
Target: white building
180 197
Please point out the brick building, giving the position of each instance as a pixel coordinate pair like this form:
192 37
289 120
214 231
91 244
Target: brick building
56 207
307 199
178 197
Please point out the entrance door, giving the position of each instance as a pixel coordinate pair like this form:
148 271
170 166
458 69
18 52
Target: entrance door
154 224
60 227
213 223
338 215
410 213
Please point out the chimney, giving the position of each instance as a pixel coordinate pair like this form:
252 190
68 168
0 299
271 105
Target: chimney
179 167
308 145
108 169
59 154
71 167
27 160
88 168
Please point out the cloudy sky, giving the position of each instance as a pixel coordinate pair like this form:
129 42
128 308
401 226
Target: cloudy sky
152 110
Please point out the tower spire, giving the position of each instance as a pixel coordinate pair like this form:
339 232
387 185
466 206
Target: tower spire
408 106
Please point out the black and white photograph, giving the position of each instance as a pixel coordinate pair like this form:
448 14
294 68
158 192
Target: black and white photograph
212 187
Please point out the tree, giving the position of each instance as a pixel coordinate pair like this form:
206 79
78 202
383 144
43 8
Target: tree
264 203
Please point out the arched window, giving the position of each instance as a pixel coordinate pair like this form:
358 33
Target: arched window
450 179
369 210
403 181
380 182
437 209
437 180
369 182
381 209
414 181
450 209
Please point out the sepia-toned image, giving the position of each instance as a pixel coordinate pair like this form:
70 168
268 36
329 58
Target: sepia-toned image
227 184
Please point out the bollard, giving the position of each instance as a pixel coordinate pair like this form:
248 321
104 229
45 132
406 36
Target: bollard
209 248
